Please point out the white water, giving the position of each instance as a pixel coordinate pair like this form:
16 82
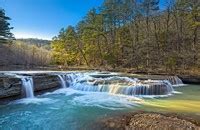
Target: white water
117 85
123 86
96 99
69 79
107 101
62 80
111 84
27 84
175 81
34 101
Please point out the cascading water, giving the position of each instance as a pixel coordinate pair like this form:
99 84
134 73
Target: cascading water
62 80
27 84
72 78
109 83
69 79
118 85
154 87
174 80
124 86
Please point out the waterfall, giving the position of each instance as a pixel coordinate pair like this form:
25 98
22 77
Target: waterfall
174 80
119 85
27 84
63 83
69 79
86 81
125 86
154 87
72 78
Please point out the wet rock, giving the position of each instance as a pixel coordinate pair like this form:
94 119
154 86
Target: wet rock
44 82
190 79
9 87
103 75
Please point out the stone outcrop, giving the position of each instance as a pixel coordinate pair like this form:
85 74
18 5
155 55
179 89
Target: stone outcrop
11 87
186 79
190 79
45 82
147 120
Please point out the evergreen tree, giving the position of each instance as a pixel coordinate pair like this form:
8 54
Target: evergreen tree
135 34
5 34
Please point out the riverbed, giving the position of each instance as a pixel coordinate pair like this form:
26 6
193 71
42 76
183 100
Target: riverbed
67 108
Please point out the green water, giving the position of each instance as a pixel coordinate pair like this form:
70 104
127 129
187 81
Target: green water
188 101
70 109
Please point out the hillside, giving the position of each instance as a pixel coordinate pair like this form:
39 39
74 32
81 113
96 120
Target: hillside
35 41
25 52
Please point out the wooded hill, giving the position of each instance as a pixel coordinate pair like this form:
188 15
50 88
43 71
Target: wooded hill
25 53
36 42
138 34
20 52
142 35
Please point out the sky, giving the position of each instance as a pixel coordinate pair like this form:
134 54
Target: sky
43 19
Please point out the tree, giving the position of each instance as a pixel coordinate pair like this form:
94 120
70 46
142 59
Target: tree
5 34
149 7
136 34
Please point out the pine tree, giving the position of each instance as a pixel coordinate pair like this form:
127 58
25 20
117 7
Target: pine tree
5 34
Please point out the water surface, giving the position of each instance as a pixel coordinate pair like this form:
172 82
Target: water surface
72 109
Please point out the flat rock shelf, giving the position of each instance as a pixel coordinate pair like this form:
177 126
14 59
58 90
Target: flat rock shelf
147 120
96 100
11 87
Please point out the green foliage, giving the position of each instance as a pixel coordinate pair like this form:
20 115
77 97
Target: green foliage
171 62
66 48
5 34
129 33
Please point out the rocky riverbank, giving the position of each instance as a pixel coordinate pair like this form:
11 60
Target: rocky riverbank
188 77
148 120
11 87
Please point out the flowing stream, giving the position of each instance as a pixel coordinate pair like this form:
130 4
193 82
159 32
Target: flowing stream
27 83
117 85
84 99
63 82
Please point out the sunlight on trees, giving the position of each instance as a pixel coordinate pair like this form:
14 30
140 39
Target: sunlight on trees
133 34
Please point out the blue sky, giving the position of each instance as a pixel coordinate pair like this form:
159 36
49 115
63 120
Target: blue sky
44 18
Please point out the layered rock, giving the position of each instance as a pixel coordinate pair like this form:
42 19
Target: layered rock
45 82
11 87
190 79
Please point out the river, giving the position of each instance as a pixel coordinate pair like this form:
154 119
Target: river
69 108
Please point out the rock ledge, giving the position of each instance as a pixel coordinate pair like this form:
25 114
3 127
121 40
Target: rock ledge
147 120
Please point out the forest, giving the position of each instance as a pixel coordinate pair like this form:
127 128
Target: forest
136 34
100 65
133 34
21 52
